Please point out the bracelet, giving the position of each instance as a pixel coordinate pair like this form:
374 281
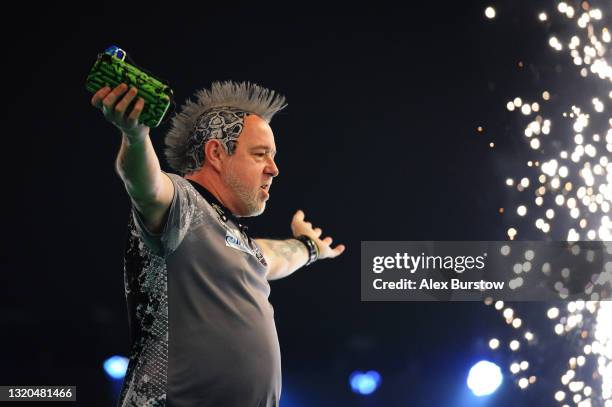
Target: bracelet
311 246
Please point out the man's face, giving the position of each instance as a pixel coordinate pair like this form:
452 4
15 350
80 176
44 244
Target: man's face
249 171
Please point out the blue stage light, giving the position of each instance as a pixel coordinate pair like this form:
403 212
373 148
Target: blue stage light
364 383
115 366
484 378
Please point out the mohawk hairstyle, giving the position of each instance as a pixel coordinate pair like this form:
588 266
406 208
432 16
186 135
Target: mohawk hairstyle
243 96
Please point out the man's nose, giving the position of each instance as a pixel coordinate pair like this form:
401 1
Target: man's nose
273 169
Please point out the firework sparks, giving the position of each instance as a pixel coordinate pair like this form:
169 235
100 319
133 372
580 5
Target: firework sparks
565 192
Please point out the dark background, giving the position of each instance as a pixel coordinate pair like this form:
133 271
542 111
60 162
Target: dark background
379 142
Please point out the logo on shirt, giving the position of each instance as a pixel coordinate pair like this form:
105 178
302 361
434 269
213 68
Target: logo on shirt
232 241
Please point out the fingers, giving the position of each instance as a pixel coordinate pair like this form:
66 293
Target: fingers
122 107
328 252
111 99
115 104
298 225
338 250
299 216
96 100
136 111
123 104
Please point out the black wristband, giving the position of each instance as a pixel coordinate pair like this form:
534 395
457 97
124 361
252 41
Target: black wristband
311 246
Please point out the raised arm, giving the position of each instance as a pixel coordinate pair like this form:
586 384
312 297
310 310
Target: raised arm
150 190
286 256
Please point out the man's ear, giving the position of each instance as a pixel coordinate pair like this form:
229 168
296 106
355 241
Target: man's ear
214 153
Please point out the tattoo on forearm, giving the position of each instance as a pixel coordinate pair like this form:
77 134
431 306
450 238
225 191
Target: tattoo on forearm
286 249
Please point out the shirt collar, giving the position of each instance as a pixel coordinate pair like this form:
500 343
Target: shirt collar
223 212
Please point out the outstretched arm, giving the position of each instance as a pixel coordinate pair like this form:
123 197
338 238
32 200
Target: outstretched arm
150 190
286 256
283 256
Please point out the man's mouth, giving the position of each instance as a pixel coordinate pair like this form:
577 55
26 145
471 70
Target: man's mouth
266 189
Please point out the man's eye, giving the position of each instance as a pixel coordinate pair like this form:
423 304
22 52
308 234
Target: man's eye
260 154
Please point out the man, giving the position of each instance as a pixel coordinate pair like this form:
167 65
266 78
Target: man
202 329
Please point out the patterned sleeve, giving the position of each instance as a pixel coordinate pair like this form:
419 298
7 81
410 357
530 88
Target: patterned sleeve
175 224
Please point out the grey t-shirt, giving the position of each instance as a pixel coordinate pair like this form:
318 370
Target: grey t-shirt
201 326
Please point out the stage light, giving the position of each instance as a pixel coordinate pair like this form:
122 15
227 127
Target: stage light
116 366
364 383
484 378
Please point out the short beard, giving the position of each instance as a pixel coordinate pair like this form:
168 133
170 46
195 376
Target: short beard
253 206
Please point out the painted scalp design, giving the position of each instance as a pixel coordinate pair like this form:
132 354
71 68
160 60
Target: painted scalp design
219 113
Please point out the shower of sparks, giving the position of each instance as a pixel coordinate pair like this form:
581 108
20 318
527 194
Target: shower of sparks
565 191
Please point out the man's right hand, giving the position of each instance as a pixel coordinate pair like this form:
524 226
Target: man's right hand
149 188
114 103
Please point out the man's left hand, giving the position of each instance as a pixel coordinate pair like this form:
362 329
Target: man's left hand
300 227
